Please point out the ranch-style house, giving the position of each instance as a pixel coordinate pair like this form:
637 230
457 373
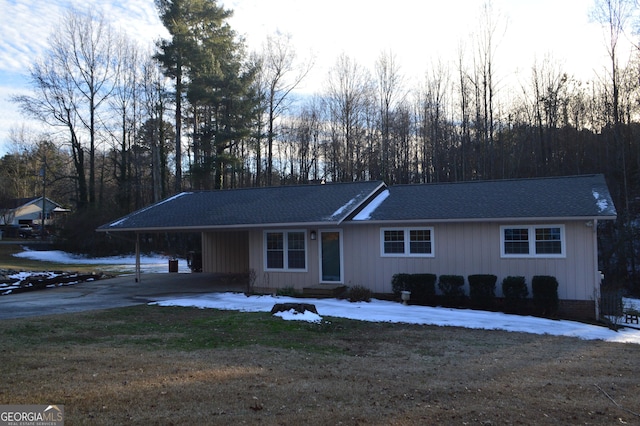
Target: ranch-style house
362 233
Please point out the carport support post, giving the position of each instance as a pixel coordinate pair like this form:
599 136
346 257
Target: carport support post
137 257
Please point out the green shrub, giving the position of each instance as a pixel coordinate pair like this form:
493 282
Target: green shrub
452 288
287 291
545 294
400 282
482 290
423 288
359 293
515 293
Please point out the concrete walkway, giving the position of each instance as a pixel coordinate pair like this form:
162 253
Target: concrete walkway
111 293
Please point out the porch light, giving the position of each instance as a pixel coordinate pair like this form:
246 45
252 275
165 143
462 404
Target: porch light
313 235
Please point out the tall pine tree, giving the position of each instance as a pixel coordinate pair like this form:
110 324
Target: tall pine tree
206 59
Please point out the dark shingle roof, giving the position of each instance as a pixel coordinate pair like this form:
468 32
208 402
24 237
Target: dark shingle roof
14 203
328 203
554 197
551 198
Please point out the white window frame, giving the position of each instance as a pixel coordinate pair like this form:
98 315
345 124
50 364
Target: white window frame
407 243
531 230
285 236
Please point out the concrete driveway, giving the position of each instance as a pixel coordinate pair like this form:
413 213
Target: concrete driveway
111 293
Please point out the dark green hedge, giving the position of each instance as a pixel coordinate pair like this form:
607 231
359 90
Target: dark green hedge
421 286
482 290
545 294
452 288
515 291
400 282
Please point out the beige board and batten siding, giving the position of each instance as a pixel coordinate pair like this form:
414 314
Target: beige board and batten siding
459 249
471 248
225 252
269 279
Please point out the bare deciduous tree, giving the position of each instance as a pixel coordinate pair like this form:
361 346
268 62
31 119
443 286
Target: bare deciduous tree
280 74
349 93
71 83
390 95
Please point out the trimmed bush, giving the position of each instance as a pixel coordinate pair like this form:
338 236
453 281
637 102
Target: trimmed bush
482 290
452 288
400 282
515 293
423 288
359 293
545 294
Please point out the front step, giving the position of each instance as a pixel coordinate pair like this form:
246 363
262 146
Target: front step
324 290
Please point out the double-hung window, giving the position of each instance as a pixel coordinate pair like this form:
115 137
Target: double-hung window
285 250
532 241
406 242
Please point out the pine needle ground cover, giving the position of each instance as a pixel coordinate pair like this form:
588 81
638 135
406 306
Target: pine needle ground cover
159 365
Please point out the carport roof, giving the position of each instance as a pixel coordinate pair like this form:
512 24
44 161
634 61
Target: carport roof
250 207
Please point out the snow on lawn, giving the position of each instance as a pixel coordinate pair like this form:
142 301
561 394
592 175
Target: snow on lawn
376 310
384 311
148 264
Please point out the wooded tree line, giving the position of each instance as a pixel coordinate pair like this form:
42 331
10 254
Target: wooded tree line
131 126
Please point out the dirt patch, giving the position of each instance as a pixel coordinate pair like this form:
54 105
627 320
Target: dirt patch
151 365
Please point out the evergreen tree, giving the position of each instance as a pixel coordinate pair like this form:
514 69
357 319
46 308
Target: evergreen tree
206 59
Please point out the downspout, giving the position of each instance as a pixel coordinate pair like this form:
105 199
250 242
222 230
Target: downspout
137 257
596 271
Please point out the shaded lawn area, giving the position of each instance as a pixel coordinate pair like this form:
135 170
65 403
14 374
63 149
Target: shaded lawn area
159 365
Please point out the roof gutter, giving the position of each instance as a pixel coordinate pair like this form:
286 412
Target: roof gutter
200 228
486 220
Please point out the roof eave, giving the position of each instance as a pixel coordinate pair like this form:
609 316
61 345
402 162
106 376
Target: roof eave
321 224
485 220
239 226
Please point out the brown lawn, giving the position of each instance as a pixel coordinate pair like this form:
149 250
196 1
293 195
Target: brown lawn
183 366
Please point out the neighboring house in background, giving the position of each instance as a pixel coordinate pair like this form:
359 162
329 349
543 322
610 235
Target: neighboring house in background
28 211
363 233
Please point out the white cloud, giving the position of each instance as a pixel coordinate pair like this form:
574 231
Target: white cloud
27 25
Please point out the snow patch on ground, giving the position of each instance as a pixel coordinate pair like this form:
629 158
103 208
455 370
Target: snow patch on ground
385 311
376 310
293 315
148 263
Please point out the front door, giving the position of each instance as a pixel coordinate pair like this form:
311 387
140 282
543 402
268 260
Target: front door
330 256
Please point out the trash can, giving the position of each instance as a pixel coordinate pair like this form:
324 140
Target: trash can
173 265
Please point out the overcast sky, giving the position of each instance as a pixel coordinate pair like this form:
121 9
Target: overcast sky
418 33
